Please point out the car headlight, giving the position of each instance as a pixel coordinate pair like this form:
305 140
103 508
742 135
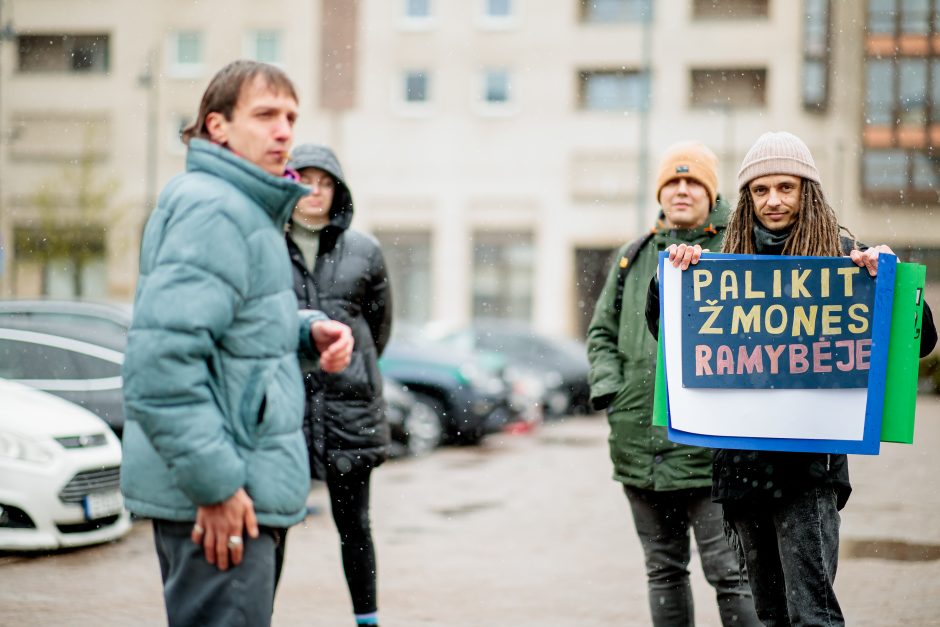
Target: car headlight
481 379
23 448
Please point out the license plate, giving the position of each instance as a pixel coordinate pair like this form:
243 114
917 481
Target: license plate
101 504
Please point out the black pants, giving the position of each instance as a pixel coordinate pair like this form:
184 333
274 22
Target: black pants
198 593
791 546
663 521
349 500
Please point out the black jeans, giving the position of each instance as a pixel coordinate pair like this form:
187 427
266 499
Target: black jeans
792 550
662 521
349 500
198 593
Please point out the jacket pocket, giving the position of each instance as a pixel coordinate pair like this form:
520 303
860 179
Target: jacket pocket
254 400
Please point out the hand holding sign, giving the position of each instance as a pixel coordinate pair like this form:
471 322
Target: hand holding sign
869 258
683 255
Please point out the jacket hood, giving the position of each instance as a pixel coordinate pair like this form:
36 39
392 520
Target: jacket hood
276 195
322 158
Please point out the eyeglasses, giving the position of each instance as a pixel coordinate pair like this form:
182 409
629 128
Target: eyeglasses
320 182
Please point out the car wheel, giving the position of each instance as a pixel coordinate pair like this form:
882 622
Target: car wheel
423 428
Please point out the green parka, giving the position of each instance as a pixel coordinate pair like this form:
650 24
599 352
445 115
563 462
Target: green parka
623 369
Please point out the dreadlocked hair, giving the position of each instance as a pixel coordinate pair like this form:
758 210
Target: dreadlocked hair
816 231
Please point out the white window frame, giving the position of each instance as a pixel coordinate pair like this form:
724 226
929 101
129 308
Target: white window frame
490 108
485 21
250 45
420 108
416 23
175 68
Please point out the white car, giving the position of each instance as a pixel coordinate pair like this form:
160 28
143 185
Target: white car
59 473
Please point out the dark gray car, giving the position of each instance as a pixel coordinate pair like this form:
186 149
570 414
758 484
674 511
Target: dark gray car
71 349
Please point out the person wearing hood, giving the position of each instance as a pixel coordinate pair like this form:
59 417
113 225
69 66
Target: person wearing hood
667 485
341 272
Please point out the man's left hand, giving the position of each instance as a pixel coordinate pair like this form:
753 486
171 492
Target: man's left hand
335 342
869 258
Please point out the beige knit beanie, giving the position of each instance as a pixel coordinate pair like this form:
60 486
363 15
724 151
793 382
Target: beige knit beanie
692 160
777 153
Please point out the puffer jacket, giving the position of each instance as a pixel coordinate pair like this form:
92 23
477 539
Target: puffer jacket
345 412
623 369
212 385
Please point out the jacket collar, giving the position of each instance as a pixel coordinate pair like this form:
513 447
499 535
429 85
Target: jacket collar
277 196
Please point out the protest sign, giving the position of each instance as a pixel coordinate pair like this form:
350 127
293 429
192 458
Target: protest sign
903 354
810 398
806 323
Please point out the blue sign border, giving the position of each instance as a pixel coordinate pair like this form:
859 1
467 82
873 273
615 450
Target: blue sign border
870 444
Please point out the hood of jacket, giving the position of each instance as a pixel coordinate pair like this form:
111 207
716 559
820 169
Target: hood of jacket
322 158
276 195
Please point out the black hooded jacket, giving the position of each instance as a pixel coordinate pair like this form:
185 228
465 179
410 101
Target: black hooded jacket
345 414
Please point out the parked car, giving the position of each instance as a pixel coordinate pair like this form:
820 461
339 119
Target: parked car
559 363
416 428
96 323
59 473
86 374
468 396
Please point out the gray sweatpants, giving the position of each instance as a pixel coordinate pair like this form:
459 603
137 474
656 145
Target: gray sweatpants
198 593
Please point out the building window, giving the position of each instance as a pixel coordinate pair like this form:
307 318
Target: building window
408 260
186 54
416 87
729 89
816 55
66 137
499 9
503 269
418 9
496 86
60 262
613 90
901 125
613 11
729 9
63 53
264 46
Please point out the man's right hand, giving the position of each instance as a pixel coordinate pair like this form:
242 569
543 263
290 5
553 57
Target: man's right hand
683 255
335 342
220 529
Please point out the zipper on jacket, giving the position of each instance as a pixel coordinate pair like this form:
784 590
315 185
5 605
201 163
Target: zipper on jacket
828 458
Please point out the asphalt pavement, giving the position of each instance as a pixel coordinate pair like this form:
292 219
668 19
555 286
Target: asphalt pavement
525 530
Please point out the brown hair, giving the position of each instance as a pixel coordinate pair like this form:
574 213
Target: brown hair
815 232
225 88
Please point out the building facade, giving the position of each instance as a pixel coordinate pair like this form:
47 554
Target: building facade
499 149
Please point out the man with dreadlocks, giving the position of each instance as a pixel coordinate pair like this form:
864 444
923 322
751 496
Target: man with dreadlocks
781 510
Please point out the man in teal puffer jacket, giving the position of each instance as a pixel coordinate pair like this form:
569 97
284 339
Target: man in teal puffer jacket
667 485
213 446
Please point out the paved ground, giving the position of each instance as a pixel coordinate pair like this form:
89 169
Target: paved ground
526 530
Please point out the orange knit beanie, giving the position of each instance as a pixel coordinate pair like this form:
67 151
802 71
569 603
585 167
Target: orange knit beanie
692 160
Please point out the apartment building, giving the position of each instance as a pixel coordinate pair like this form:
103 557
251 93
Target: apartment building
93 94
499 149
